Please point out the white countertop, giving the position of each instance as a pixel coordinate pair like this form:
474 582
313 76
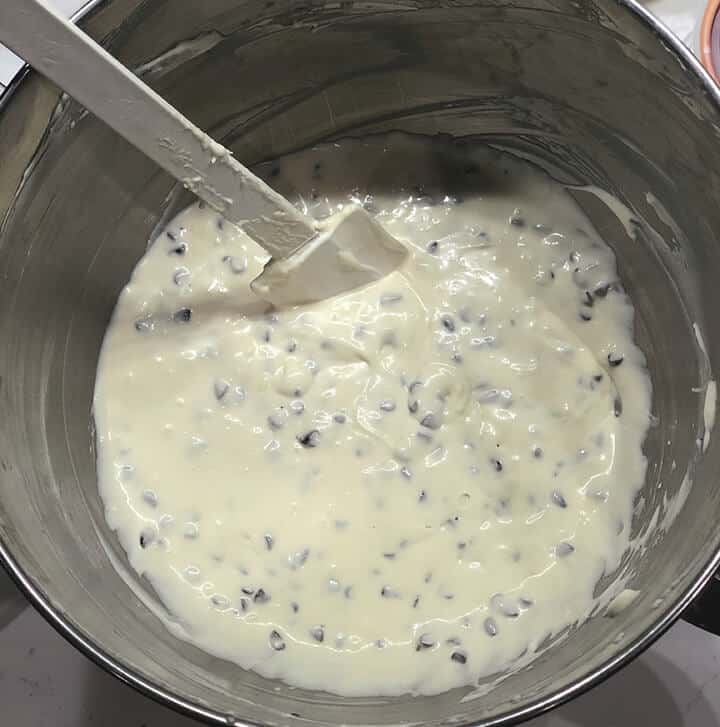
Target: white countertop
44 682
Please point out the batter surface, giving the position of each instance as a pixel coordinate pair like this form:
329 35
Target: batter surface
403 488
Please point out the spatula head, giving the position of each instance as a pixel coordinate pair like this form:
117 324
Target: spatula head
351 249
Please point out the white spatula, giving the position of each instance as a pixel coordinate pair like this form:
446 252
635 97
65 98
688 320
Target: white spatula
310 260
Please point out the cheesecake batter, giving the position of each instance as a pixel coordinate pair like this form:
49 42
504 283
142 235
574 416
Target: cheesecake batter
400 489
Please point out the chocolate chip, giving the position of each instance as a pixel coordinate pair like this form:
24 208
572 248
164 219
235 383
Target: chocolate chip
459 656
431 421
183 315
537 452
388 592
452 521
615 359
564 549
260 596
276 641
497 464
433 246
617 406
294 606
416 600
147 537
220 388
448 323
584 316
602 290
588 300
181 275
558 499
318 633
269 542
310 439
143 325
508 608
424 642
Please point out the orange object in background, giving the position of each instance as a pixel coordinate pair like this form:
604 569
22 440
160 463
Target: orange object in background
710 40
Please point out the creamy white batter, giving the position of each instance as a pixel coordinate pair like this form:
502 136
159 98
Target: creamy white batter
400 489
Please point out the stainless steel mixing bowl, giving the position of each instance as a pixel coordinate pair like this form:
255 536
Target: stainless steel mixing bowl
594 90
